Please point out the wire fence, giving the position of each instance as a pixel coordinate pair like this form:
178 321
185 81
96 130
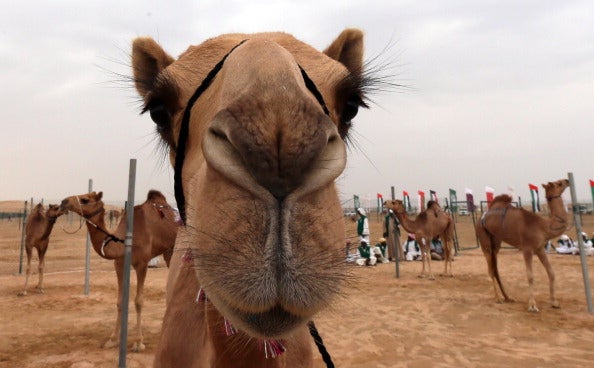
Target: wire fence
65 253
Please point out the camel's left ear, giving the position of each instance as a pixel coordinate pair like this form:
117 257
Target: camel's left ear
148 60
348 50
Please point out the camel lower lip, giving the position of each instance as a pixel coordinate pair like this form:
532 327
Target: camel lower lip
271 324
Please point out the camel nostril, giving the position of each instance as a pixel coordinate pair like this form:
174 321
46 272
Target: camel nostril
218 133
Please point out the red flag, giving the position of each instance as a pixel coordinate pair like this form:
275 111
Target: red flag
490 193
591 183
421 200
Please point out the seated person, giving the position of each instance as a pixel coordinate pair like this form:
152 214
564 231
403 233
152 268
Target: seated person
412 252
588 249
367 259
565 245
436 250
379 250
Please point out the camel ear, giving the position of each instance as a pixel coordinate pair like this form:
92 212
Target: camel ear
148 60
99 196
348 50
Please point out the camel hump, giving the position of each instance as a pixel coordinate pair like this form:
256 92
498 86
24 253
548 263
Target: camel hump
432 203
154 195
503 198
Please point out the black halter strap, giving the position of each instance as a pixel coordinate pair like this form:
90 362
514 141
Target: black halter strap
180 153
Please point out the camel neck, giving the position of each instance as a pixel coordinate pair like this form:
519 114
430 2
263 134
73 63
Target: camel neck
99 237
406 222
557 216
49 225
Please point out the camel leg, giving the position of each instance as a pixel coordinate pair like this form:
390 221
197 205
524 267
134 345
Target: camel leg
27 272
41 267
490 248
528 261
426 256
167 256
545 262
114 339
138 303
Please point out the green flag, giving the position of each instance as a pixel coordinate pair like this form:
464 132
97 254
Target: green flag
453 200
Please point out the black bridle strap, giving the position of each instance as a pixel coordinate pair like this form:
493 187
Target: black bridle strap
184 130
313 331
311 86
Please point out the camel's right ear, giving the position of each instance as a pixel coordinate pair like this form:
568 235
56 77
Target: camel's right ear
148 60
99 196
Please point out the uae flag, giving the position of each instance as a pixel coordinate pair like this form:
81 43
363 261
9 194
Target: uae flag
490 193
406 200
592 189
535 199
433 196
380 203
421 200
469 199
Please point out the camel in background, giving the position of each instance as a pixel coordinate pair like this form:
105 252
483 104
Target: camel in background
526 231
37 232
155 229
255 125
430 224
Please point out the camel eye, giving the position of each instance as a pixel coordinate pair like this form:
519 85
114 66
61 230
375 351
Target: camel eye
84 201
160 115
351 108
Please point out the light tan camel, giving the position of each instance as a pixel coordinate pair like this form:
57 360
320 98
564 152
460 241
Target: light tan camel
155 229
430 224
37 232
255 126
526 231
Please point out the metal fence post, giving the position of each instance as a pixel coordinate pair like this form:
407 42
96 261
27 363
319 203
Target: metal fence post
127 261
88 254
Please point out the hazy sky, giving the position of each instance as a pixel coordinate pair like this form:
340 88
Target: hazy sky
501 93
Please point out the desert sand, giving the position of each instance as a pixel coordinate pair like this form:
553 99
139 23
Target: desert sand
381 320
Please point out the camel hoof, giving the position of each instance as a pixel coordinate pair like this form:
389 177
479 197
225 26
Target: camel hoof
40 291
421 276
110 344
138 347
431 277
555 305
22 293
533 309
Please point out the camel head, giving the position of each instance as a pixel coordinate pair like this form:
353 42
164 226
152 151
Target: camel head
54 211
395 205
255 126
85 205
555 188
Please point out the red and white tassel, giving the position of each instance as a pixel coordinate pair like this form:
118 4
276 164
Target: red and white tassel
201 297
273 348
187 256
229 329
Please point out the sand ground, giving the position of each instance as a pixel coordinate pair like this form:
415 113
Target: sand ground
383 321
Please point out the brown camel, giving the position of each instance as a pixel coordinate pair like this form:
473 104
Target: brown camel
154 233
37 232
255 126
526 231
430 224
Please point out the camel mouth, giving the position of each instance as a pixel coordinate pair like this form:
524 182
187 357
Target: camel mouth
273 323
